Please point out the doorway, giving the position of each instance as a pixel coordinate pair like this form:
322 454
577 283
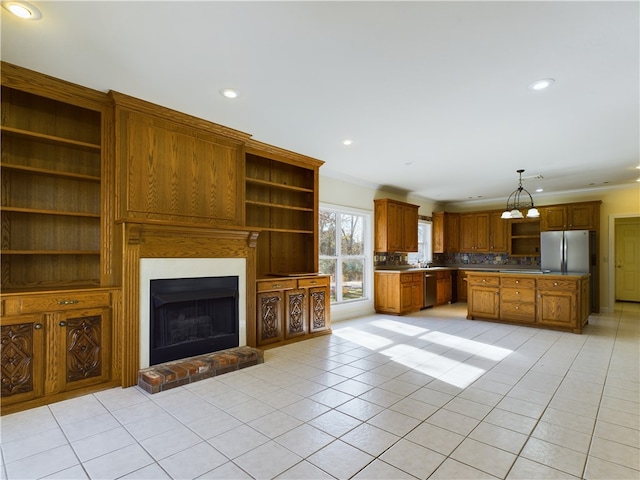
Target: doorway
626 260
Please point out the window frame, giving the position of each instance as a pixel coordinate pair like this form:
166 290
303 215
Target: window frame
367 255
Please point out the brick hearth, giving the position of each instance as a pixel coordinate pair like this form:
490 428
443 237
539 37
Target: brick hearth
159 378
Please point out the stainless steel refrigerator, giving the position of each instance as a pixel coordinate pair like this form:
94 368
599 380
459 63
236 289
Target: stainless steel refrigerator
566 251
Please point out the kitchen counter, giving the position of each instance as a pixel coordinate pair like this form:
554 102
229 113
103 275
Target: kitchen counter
552 300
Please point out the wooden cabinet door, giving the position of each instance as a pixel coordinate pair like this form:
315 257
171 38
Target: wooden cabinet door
438 231
443 287
296 312
553 218
406 297
409 228
482 229
269 310
319 309
582 216
557 308
395 216
483 302
468 234
417 291
81 343
462 286
451 232
498 233
22 362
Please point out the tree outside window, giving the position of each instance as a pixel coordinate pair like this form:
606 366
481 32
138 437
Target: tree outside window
342 253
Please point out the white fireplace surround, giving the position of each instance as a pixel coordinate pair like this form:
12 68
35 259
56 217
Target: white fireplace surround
159 268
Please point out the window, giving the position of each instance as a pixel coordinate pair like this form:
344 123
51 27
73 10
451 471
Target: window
344 253
425 248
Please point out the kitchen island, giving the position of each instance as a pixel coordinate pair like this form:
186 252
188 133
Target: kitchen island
553 300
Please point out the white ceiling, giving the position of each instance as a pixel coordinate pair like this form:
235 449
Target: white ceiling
433 94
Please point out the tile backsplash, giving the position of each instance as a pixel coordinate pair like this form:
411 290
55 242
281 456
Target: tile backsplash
483 259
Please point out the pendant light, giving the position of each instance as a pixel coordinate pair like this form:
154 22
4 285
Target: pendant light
515 204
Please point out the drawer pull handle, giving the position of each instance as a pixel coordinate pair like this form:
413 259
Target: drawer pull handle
517 293
313 282
275 285
555 284
37 326
484 281
517 281
63 323
517 307
68 302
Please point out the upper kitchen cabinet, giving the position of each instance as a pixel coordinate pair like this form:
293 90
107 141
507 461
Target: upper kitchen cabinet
55 181
474 232
498 232
483 232
396 226
176 168
446 232
282 203
570 216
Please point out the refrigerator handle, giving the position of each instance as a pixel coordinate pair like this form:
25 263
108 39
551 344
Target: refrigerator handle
563 254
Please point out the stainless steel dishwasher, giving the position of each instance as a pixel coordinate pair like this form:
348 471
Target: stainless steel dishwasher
430 289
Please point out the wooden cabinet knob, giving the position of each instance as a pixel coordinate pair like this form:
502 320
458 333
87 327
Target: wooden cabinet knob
37 326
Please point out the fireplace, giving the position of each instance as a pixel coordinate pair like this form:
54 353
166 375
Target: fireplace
192 316
154 269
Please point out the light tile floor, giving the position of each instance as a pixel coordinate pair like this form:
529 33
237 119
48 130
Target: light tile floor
428 395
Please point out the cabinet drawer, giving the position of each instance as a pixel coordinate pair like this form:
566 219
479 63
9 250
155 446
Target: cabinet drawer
517 310
63 301
482 280
518 282
518 295
313 282
550 284
406 278
276 284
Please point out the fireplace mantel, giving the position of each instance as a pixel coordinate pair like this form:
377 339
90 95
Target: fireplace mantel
154 239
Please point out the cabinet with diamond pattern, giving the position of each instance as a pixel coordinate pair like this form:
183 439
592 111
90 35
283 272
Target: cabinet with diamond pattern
52 345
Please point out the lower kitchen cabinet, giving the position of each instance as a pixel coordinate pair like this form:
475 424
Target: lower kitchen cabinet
483 296
518 299
51 346
561 302
398 293
289 309
548 301
443 287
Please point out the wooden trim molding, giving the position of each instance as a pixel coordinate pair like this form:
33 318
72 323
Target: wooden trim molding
156 240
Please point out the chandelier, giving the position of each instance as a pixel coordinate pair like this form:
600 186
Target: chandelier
518 202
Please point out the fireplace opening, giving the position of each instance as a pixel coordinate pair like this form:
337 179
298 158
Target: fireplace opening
192 316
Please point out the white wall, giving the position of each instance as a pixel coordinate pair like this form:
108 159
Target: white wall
615 202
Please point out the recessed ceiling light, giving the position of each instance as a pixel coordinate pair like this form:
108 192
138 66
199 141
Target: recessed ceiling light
23 10
347 141
541 84
539 190
229 93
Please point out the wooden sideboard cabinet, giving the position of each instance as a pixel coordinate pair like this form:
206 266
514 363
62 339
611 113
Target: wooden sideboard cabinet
54 344
396 226
292 309
398 293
